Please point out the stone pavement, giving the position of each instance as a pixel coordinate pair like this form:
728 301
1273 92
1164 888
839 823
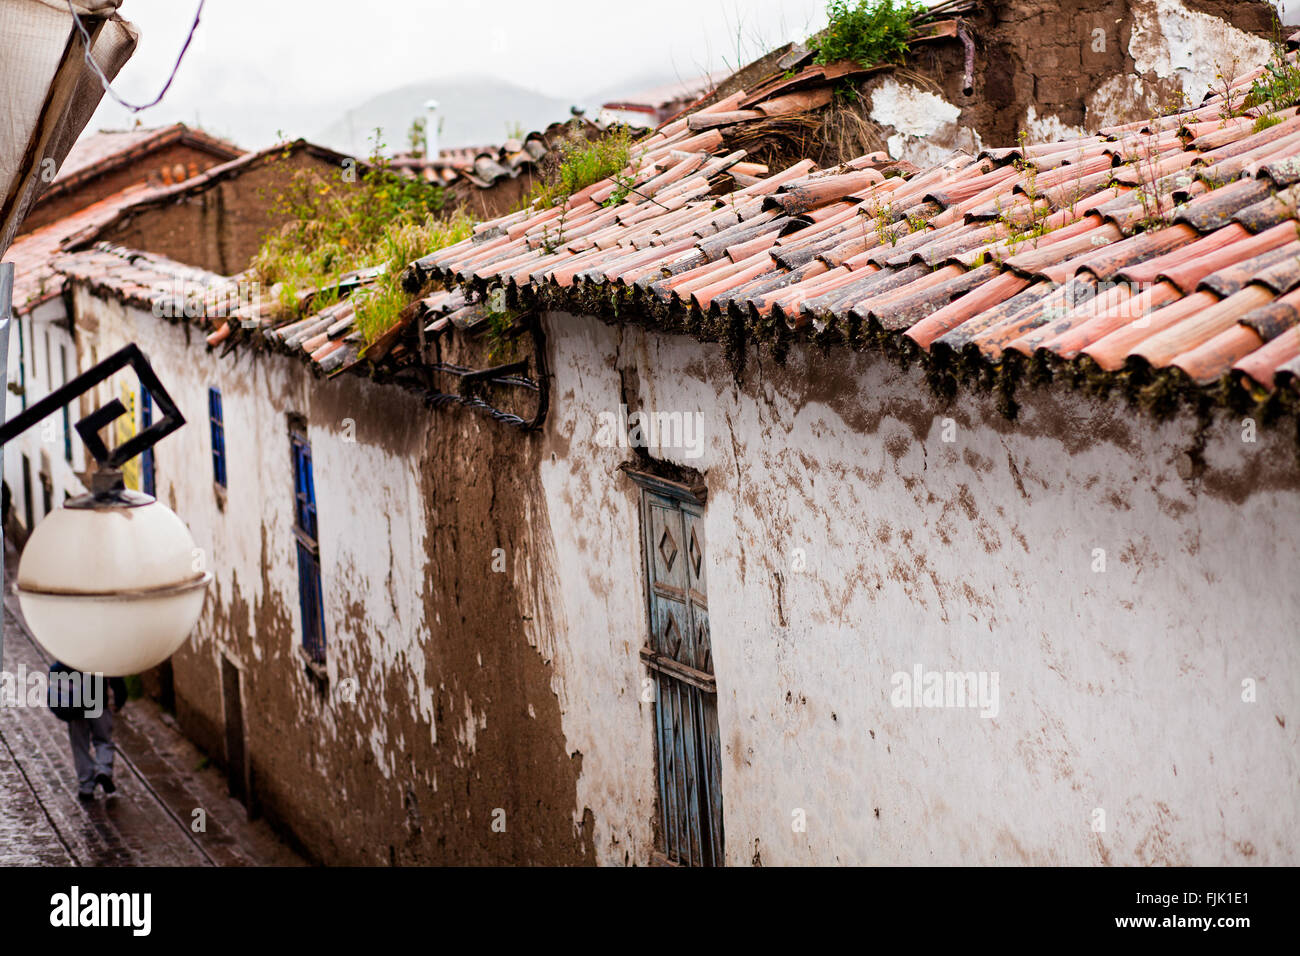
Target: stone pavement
161 778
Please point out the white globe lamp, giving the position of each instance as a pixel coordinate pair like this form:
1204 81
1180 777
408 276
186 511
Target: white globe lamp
111 582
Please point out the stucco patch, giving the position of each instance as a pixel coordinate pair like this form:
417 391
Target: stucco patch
1170 40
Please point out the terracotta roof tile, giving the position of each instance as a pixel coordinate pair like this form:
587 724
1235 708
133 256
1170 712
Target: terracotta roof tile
976 262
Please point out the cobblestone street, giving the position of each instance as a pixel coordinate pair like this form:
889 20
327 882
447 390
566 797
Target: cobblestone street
161 780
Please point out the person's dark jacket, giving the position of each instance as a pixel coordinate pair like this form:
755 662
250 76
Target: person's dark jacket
62 704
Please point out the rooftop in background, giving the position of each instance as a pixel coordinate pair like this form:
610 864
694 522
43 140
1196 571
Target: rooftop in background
35 280
103 163
650 107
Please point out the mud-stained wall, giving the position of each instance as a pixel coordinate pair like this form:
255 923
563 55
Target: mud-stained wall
1055 71
1120 591
438 737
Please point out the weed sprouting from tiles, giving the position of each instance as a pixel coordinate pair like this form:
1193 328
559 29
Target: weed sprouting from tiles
1264 122
580 162
1278 87
868 31
1153 191
337 226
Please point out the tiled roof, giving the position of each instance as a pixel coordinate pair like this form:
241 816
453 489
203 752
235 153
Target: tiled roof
230 311
99 152
163 195
35 280
482 167
150 281
1050 258
978 263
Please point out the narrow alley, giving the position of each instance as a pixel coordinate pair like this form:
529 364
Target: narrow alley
170 809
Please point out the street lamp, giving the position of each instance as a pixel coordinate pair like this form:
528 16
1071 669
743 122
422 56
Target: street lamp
111 582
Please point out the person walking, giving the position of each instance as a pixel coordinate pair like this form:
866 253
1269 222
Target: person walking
79 699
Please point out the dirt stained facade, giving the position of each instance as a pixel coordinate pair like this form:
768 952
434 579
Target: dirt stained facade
485 606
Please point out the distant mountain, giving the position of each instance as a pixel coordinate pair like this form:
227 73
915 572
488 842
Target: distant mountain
476 111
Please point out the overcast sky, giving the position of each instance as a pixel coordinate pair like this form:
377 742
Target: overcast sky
260 66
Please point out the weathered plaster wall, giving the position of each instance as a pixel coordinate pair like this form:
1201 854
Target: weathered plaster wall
1119 690
42 357
443 703
846 541
1055 71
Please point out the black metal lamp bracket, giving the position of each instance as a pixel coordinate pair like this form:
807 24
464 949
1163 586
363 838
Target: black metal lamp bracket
88 428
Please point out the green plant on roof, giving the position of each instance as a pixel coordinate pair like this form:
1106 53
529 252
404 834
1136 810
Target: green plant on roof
882 216
1278 86
1264 122
1154 192
868 31
623 184
576 162
361 216
380 304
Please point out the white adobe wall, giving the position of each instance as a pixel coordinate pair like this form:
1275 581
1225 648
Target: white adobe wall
355 483
1119 690
44 340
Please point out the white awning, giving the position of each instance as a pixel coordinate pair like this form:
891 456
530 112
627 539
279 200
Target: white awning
47 91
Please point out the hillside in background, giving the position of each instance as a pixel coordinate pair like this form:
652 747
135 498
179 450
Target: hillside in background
475 111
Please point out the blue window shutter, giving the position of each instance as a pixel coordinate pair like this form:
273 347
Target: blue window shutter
310 594
146 457
218 437
680 657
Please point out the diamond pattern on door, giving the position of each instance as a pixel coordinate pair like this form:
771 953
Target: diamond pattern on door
668 548
672 635
680 658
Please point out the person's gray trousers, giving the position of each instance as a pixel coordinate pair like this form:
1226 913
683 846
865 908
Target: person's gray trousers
83 733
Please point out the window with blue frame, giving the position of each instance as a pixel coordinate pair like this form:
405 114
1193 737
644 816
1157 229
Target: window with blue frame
218 437
304 527
146 456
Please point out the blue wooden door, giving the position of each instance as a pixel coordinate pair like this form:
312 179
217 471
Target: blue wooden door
680 657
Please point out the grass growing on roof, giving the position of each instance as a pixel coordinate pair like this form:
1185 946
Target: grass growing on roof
379 304
579 162
1279 85
354 219
868 31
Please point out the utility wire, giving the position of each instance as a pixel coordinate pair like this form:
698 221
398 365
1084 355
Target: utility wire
104 81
